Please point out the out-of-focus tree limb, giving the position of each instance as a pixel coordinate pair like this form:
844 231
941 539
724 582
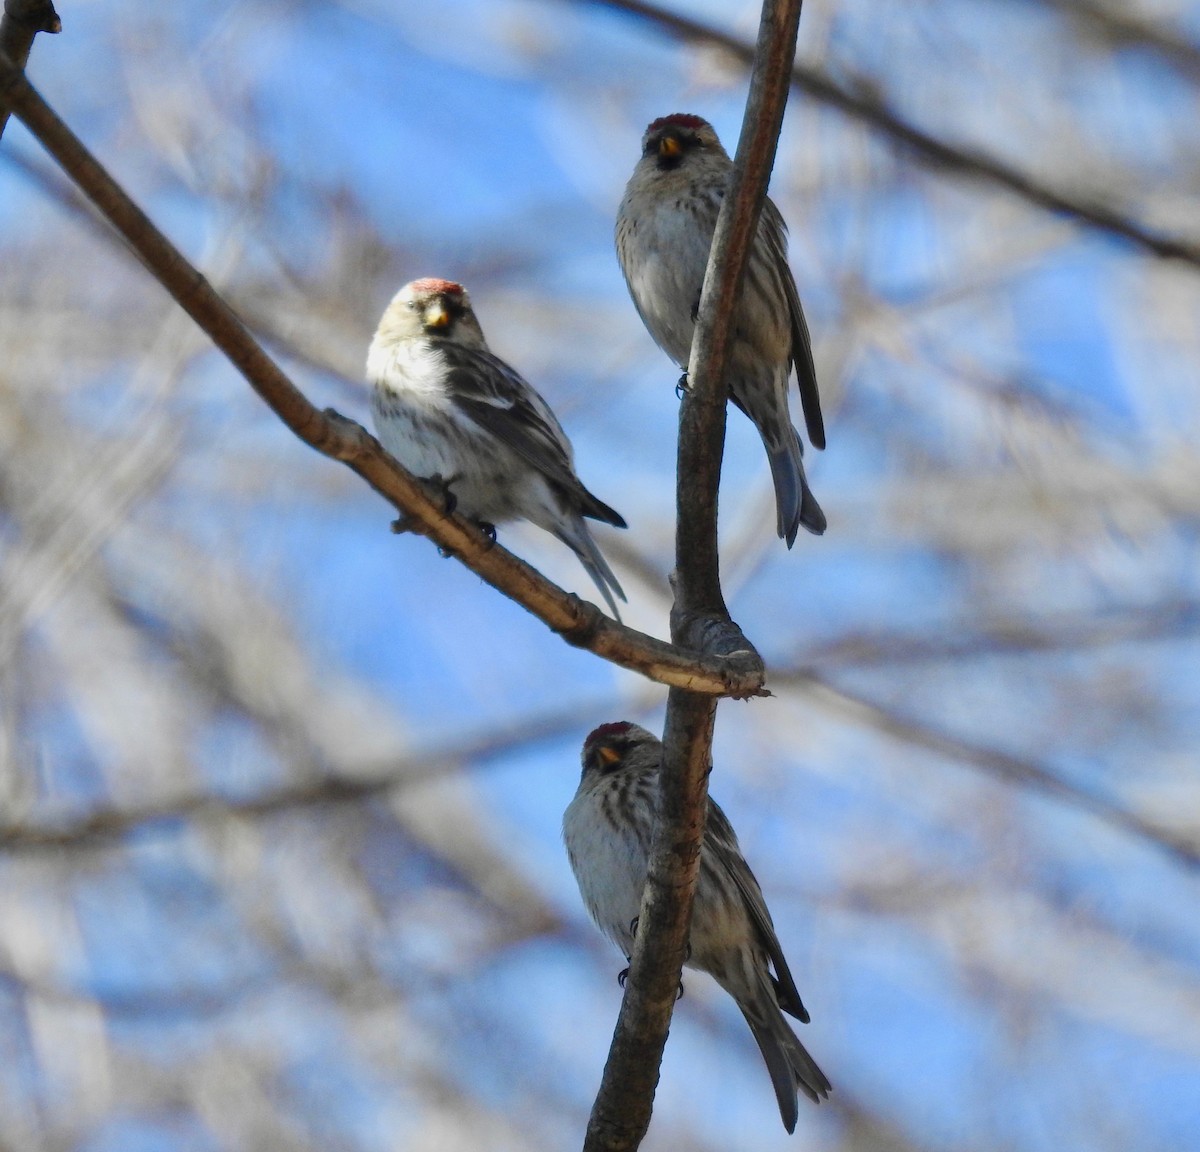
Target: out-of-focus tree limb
974 922
1012 769
104 827
21 22
970 640
356 782
624 1103
732 671
861 102
1110 23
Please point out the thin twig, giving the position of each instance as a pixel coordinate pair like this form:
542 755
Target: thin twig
580 623
862 103
624 1103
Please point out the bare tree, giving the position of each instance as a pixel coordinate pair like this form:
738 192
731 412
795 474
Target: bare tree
278 870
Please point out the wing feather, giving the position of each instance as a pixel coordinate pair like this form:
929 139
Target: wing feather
497 398
774 230
725 846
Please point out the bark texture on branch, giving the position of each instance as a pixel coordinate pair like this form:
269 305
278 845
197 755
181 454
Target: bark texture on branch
21 22
579 622
624 1104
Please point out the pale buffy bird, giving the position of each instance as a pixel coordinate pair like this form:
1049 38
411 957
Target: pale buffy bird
607 828
665 228
452 412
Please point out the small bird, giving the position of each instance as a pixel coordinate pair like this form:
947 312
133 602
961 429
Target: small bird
665 228
608 827
455 414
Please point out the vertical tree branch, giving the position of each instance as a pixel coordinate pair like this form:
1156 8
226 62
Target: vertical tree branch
702 412
21 22
621 1113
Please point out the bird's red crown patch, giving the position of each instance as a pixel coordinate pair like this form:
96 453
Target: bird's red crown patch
431 285
679 120
617 728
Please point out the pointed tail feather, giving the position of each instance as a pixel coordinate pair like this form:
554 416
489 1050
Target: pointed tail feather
806 373
811 515
788 1062
794 502
580 541
809 1077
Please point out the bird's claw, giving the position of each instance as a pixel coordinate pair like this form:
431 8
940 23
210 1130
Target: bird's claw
623 975
489 534
438 488
443 491
682 388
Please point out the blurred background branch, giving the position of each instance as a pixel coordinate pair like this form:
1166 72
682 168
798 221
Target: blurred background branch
860 97
197 620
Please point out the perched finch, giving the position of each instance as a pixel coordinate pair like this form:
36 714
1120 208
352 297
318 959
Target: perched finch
664 232
608 827
452 412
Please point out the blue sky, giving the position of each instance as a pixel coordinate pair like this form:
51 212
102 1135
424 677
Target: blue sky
958 937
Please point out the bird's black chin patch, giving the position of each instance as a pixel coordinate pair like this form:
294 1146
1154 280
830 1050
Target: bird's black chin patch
669 163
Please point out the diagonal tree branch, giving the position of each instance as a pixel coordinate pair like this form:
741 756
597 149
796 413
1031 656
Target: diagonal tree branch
345 781
582 624
968 640
862 104
1113 24
1015 770
621 1113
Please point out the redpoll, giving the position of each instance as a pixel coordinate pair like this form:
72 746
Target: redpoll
450 411
608 827
664 232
